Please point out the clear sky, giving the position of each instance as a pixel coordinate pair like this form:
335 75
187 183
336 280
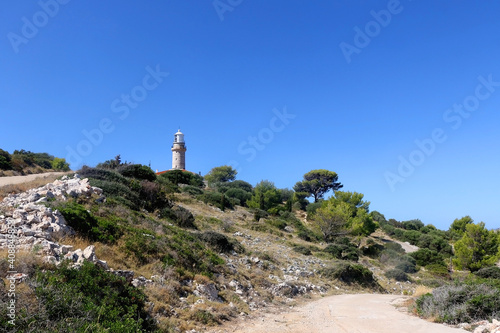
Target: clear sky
400 98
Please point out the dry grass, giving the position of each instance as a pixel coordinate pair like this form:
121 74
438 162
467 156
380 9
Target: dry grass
25 262
22 187
77 242
421 290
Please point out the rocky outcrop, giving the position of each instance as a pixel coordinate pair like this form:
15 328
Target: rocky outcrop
36 227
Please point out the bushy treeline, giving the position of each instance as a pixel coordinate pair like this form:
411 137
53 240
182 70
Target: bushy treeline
475 247
20 160
88 299
463 301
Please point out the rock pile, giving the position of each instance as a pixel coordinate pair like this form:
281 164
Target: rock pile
36 227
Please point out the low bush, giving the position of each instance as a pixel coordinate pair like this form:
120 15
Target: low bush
216 199
312 208
350 273
192 190
118 191
237 184
343 251
137 171
183 177
237 193
460 302
397 274
407 266
179 215
142 244
492 272
217 241
88 299
396 247
103 174
277 223
426 257
372 250
438 269
302 250
104 230
152 196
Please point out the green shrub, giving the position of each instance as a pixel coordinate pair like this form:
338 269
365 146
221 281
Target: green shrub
350 273
217 241
397 275
460 302
5 160
239 194
277 223
413 224
426 257
103 174
492 272
88 299
342 251
412 236
59 164
439 269
372 250
143 244
312 207
183 177
137 171
179 215
389 257
152 196
204 317
237 184
217 199
406 266
117 190
104 230
302 250
259 214
192 190
394 247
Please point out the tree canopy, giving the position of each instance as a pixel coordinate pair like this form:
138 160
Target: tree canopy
317 182
342 214
221 174
265 196
478 248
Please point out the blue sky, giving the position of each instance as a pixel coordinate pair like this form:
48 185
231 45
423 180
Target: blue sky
275 88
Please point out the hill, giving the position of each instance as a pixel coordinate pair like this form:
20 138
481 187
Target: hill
22 162
119 248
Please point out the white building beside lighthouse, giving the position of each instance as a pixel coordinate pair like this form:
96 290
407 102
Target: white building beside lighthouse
179 152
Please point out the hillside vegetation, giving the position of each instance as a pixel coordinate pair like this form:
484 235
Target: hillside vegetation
204 255
22 162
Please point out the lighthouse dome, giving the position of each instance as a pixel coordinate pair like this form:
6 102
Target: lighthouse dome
178 137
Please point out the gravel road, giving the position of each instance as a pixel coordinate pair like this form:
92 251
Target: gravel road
361 313
23 179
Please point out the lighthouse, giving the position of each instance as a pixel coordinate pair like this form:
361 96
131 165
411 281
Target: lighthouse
179 152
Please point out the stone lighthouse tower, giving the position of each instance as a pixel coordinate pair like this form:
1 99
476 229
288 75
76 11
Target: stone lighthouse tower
179 152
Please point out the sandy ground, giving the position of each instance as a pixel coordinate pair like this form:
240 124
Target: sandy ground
23 179
360 313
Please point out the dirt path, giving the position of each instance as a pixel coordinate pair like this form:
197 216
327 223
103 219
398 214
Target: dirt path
361 313
23 179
